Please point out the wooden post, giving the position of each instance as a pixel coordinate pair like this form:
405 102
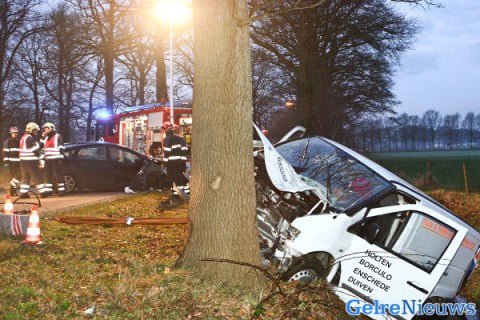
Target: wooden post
428 174
465 177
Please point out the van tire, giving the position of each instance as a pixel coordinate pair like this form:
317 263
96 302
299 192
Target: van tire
309 268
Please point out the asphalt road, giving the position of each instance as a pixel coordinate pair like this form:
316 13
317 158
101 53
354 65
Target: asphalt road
55 204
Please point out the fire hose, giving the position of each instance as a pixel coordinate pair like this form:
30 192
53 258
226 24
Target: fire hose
127 221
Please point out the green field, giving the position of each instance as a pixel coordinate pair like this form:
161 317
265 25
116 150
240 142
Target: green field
446 167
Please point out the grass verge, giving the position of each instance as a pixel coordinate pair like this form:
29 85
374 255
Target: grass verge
127 272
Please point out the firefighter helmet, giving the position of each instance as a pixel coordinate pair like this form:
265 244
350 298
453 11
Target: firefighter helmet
13 129
32 126
167 125
49 125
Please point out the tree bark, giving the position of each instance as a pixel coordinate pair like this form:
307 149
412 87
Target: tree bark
142 83
60 91
109 57
222 205
161 77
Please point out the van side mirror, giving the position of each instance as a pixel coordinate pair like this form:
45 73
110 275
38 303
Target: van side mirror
370 231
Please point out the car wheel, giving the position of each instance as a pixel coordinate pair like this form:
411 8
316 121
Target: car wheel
70 183
156 181
309 268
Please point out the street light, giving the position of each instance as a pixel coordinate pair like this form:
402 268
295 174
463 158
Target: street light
289 104
172 12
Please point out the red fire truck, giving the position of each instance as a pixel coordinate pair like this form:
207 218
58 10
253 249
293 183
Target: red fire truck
139 127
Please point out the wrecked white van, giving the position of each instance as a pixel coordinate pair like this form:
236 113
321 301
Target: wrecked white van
327 211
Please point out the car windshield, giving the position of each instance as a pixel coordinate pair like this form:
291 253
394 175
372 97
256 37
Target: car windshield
343 180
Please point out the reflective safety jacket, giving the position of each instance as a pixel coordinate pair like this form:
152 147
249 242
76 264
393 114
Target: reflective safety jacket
11 150
174 148
53 147
29 148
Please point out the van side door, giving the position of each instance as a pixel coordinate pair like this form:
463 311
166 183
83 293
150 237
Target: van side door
397 256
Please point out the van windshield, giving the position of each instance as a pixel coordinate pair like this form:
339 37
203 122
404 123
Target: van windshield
344 181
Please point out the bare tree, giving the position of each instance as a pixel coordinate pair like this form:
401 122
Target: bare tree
391 132
17 23
468 123
413 125
139 61
451 124
29 70
340 53
270 88
477 122
110 37
222 204
97 75
65 55
402 121
432 120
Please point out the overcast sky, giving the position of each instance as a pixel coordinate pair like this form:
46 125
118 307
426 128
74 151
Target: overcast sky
442 70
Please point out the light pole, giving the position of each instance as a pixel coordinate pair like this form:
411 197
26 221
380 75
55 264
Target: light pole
172 11
172 117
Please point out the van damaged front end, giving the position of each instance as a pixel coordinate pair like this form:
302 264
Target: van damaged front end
308 178
275 212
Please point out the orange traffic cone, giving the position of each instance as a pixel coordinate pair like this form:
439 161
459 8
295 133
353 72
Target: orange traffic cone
33 230
8 205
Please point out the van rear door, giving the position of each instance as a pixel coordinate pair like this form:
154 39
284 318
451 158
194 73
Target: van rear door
397 256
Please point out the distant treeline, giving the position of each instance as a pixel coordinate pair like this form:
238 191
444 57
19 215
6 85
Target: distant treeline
411 132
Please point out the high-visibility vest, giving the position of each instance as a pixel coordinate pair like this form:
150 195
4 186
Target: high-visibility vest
29 148
53 147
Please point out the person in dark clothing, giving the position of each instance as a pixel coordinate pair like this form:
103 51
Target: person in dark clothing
54 149
31 161
11 160
155 150
175 157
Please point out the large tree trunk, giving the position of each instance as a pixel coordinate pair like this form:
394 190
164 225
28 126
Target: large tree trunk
2 108
36 100
68 107
60 90
109 57
161 78
90 103
142 83
222 204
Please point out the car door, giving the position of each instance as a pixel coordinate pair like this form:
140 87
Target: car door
125 164
398 254
92 167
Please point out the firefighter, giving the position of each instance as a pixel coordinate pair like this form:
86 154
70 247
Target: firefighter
31 161
174 153
11 160
54 149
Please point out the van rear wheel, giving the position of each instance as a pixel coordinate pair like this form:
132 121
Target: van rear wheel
309 268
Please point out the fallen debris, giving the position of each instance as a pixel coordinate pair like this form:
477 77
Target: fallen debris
128 190
125 221
90 311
